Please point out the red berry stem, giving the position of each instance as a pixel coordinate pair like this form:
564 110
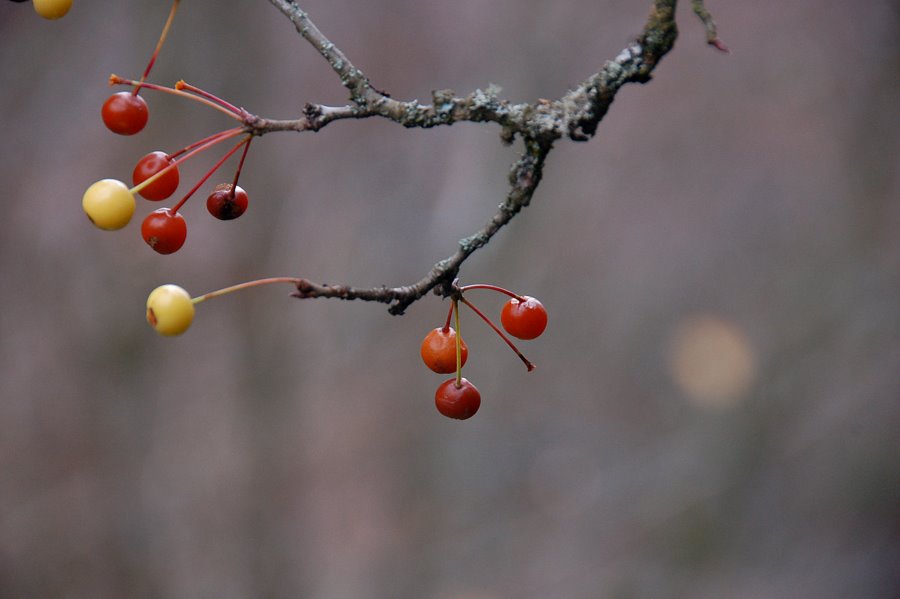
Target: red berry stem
528 363
197 148
227 134
211 171
247 285
492 288
116 80
449 316
159 44
455 308
237 173
184 85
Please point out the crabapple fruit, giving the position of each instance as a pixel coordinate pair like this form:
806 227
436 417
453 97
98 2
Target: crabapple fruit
458 402
225 204
52 9
170 310
524 319
109 204
125 113
439 350
162 187
164 230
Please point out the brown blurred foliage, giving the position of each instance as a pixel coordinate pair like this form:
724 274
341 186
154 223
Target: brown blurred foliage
717 399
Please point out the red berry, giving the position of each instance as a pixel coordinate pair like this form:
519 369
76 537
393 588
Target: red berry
125 113
148 166
225 204
439 350
457 402
164 230
524 319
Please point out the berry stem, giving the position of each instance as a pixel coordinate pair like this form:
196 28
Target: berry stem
184 85
162 38
240 165
211 171
197 148
493 288
455 308
224 134
528 364
247 285
446 328
116 80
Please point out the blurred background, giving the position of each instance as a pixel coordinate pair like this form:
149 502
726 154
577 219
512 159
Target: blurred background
716 407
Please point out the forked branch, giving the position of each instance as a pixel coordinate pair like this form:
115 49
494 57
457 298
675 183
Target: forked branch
574 115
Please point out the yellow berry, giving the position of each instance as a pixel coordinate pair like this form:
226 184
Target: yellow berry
108 204
170 310
52 9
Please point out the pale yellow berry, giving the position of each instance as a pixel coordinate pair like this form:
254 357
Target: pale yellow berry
170 310
52 9
108 204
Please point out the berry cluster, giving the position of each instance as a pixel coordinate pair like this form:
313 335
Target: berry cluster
170 311
444 351
50 9
110 204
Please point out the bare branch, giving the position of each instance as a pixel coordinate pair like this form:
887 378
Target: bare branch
712 37
575 115
524 178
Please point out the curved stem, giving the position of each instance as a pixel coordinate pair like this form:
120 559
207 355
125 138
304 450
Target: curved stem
493 288
184 85
247 285
116 80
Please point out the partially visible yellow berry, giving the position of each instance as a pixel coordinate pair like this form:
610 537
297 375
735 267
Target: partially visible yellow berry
52 9
108 204
170 310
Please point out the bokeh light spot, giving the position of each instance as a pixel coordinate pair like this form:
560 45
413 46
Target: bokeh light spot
711 361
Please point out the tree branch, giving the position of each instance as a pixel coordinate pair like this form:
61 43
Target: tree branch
575 115
524 178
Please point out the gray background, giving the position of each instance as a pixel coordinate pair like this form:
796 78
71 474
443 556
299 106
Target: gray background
742 208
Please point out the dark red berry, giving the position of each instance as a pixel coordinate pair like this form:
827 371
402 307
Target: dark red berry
225 203
162 187
164 230
125 113
457 402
